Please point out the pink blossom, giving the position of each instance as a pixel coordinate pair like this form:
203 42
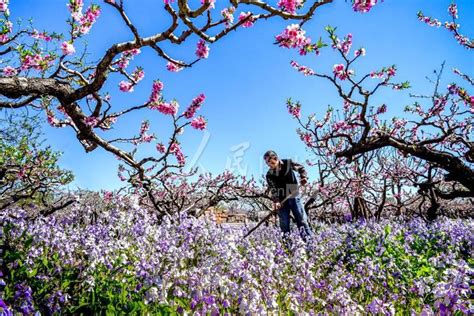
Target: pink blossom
67 48
248 22
125 58
160 148
345 45
167 108
294 109
156 91
9 71
341 125
340 71
75 7
359 52
138 74
195 105
391 71
210 2
175 149
202 50
399 123
36 62
307 138
4 6
381 109
293 37
228 15
173 67
346 106
91 121
43 36
303 69
428 20
4 38
290 5
126 86
52 120
144 127
199 123
89 18
453 10
363 6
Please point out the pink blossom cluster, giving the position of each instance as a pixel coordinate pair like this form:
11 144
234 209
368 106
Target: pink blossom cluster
84 20
6 28
363 6
41 35
453 10
294 37
212 3
89 18
138 74
75 7
195 105
303 69
340 71
160 148
4 38
462 93
385 73
168 108
156 91
36 62
9 71
174 67
126 86
228 15
144 136
107 122
307 138
67 48
381 109
175 149
341 126
91 121
4 6
428 20
199 123
126 57
345 45
290 6
51 118
359 52
294 109
202 49
249 19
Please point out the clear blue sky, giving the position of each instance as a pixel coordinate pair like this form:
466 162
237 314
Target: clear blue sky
247 79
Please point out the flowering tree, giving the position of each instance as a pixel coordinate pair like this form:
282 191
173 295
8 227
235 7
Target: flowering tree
451 26
46 71
28 170
374 183
180 193
438 134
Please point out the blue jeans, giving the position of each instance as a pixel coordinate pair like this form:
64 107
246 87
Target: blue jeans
294 205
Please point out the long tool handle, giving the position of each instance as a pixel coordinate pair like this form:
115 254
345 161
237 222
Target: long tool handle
270 214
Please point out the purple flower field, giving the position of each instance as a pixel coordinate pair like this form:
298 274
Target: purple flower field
120 261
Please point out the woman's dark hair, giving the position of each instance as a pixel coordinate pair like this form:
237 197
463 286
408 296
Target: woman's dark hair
270 153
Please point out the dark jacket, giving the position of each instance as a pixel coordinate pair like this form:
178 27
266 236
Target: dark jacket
282 181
